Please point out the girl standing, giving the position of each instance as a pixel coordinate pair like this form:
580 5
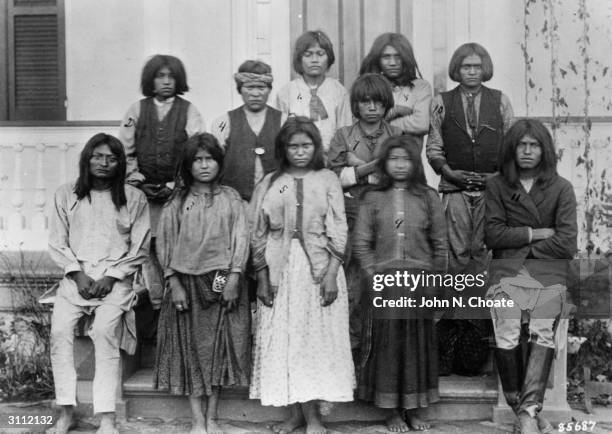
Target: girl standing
203 334
400 226
302 349
314 95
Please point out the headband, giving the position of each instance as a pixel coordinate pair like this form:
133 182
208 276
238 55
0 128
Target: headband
250 77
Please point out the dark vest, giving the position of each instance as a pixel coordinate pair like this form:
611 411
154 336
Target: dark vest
240 150
480 153
159 143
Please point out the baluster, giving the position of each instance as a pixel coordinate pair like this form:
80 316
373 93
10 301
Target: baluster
63 171
39 220
16 220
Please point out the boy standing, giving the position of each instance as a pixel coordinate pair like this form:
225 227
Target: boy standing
153 132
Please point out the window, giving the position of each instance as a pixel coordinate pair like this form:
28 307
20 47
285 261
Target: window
32 77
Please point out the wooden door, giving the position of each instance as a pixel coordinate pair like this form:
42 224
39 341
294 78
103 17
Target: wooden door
352 26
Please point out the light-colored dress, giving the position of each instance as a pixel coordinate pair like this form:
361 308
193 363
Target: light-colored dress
302 349
294 99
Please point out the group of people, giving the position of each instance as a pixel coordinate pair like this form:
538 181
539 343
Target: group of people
299 206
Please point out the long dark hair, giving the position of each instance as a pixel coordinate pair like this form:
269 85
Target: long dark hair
547 169
410 144
152 67
184 179
296 125
84 182
410 69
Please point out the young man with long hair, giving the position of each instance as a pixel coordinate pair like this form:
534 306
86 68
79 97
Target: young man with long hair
531 227
467 126
99 236
392 56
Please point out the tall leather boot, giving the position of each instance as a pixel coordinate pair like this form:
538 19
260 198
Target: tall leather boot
534 387
511 372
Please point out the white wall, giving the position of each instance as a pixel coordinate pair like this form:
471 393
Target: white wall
108 41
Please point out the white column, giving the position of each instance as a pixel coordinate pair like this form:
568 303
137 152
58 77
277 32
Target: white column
279 43
63 155
243 39
39 220
16 220
263 30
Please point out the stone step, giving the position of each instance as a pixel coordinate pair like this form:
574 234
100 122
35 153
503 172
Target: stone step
461 398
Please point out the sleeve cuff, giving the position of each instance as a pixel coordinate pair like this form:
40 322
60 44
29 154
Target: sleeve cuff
114 272
335 253
236 270
437 164
348 177
135 176
259 267
530 234
169 272
71 268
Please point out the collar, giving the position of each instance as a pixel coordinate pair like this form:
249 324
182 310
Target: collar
467 92
216 189
374 135
167 101
303 83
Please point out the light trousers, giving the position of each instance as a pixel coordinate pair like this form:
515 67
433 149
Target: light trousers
507 323
104 333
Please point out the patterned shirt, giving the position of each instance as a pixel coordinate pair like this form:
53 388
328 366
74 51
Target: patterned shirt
294 99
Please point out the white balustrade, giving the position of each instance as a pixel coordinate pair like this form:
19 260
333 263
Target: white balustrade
39 220
16 219
34 162
63 148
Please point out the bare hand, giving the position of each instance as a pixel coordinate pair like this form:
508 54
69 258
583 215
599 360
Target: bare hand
329 288
83 283
231 292
542 234
102 287
155 192
264 291
464 179
179 294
